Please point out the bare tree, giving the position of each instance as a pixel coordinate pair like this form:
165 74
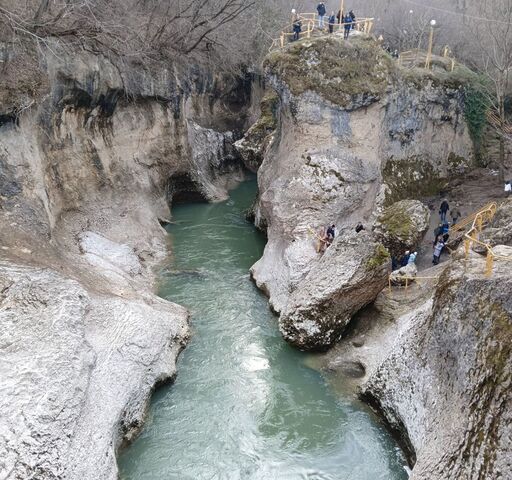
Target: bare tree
494 48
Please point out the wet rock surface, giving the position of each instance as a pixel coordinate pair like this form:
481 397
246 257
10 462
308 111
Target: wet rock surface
86 176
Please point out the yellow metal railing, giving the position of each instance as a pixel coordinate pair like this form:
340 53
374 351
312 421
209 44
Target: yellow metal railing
311 24
471 237
488 211
478 220
417 57
408 279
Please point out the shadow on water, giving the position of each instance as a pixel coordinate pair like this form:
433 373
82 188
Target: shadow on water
245 405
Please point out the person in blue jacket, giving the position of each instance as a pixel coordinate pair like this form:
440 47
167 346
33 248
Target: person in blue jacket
348 26
332 22
321 14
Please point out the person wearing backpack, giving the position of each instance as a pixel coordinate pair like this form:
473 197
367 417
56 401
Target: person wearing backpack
321 14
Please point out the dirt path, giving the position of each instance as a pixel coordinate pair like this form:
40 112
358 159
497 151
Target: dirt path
469 194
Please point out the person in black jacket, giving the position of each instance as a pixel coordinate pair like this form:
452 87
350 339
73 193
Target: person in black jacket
332 22
321 14
443 210
353 18
297 28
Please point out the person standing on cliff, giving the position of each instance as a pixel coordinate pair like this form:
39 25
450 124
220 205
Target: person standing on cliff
332 22
352 18
348 26
321 14
297 27
405 259
443 210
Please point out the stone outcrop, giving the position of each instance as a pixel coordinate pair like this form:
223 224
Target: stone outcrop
89 162
256 140
77 369
354 134
349 275
404 275
445 382
402 225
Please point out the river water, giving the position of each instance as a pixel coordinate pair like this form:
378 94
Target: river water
245 405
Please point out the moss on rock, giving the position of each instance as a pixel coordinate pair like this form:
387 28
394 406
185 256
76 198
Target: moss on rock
411 177
401 226
379 257
335 69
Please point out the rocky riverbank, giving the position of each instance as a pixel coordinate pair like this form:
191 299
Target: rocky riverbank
90 162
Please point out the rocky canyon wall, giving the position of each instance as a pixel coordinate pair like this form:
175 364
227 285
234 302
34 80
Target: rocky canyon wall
354 133
356 139
89 162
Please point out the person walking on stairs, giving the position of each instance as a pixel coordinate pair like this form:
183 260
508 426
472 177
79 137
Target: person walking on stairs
443 210
438 248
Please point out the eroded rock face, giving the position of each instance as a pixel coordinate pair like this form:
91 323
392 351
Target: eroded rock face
77 369
401 226
349 275
445 383
86 173
344 148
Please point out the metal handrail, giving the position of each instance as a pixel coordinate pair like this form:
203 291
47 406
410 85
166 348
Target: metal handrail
364 25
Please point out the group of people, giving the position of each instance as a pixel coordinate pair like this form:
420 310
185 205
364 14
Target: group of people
441 233
347 20
441 236
327 235
407 259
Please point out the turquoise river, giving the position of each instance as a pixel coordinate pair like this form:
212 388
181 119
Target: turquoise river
245 405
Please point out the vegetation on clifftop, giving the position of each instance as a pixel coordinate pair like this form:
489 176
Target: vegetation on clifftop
335 69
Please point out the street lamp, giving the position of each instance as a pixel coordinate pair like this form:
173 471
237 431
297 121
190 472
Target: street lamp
430 43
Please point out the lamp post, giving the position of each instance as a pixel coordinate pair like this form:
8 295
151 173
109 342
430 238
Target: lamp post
430 43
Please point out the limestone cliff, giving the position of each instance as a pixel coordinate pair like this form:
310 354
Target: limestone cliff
445 380
354 133
355 136
91 155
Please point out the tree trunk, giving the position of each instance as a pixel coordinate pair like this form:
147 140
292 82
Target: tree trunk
502 139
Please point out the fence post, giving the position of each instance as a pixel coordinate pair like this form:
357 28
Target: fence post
489 263
282 40
406 283
467 246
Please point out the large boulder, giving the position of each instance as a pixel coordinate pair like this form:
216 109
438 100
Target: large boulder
350 275
402 225
404 275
